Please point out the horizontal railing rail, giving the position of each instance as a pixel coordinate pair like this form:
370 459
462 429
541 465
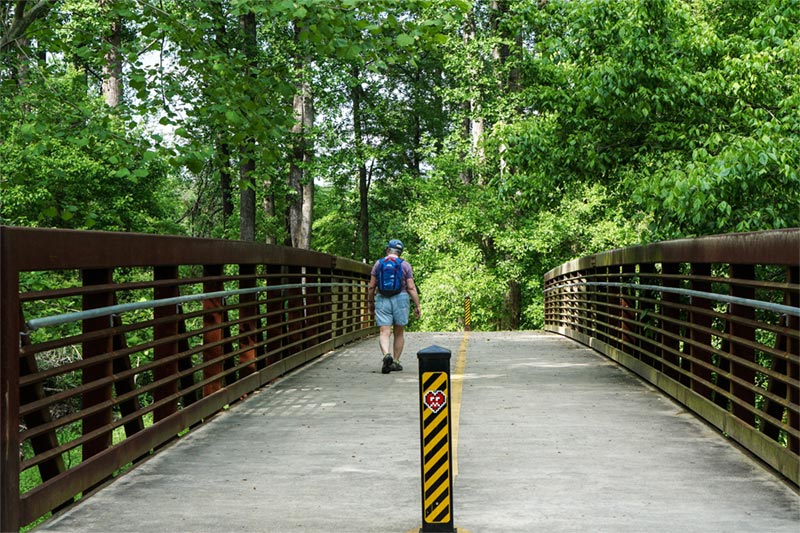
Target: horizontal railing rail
114 345
713 322
111 310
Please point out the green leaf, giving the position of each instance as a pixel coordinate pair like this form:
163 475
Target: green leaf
233 117
404 40
194 164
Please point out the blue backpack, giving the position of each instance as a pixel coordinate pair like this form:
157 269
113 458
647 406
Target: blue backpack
390 276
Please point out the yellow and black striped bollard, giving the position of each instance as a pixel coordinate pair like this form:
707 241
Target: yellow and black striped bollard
436 445
467 314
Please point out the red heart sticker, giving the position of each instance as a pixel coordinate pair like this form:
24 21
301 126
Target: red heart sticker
435 400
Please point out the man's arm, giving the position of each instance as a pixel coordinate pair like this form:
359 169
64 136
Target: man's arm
411 287
373 282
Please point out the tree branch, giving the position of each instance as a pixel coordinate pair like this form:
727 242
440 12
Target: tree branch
23 19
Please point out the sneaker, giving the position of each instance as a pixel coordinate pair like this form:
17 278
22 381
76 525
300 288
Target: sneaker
396 366
388 362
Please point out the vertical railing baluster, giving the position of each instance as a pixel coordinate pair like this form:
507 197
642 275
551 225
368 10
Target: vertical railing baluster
103 370
701 325
248 311
274 309
11 325
336 305
185 362
649 329
742 353
213 331
125 385
165 332
326 300
670 330
793 352
312 306
296 313
627 302
604 320
35 392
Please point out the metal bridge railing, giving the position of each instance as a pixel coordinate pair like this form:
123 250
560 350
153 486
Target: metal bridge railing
714 322
113 345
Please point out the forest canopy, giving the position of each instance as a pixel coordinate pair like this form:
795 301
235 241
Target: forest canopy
495 138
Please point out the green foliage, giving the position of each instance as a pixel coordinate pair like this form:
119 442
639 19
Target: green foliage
604 124
69 161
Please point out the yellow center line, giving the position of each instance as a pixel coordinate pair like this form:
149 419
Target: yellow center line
457 380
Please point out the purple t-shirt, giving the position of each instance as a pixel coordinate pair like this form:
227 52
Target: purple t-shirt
405 266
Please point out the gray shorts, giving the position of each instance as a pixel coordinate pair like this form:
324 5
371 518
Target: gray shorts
392 310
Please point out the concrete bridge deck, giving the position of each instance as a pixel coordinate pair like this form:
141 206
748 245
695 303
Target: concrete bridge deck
549 436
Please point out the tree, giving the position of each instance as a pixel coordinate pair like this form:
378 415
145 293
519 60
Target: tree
112 62
17 16
247 164
301 184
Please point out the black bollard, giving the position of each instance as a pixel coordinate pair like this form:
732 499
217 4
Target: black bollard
436 446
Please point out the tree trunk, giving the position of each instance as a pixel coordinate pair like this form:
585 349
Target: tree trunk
22 65
223 148
247 192
112 62
268 206
513 306
308 209
507 77
356 96
301 184
473 124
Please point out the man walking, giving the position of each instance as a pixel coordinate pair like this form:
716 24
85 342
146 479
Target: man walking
391 287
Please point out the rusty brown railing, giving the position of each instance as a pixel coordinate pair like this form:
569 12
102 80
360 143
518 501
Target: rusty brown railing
112 345
713 322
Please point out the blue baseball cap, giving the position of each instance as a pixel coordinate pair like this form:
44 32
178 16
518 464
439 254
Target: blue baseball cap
396 244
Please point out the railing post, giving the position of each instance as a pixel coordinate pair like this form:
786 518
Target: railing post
627 302
603 318
741 352
337 308
313 308
97 348
213 335
436 445
793 351
671 331
326 303
649 339
165 334
33 393
701 322
275 320
296 312
248 325
10 328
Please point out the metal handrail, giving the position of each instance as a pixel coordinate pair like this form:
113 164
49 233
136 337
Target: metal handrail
66 318
758 304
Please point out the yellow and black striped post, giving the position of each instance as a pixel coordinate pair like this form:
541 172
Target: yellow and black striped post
467 313
436 445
